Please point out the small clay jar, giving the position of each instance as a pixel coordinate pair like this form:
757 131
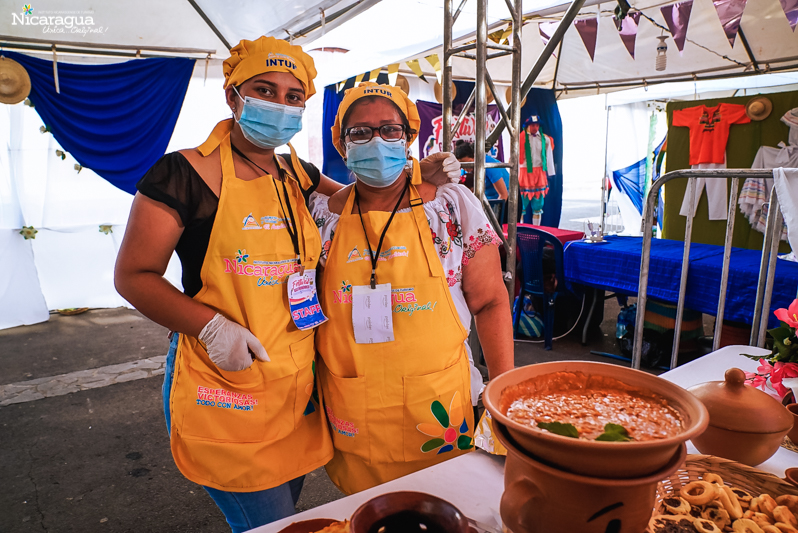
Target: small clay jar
793 434
745 424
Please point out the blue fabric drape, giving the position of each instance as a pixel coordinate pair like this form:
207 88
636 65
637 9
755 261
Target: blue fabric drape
334 165
114 119
543 103
631 181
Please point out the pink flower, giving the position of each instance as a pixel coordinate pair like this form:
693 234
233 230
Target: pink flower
790 315
764 367
755 380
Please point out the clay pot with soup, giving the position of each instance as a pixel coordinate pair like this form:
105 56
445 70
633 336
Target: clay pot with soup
408 512
541 499
745 424
595 419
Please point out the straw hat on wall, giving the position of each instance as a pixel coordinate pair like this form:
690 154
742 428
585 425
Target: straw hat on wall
758 108
14 81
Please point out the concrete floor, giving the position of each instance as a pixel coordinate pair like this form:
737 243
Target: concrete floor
99 460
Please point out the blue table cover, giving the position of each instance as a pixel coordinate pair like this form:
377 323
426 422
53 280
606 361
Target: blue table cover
615 266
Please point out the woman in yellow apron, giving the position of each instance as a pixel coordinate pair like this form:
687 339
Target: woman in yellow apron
405 266
247 430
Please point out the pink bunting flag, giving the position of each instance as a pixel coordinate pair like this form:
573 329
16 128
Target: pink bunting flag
547 29
730 12
790 8
588 31
627 27
676 17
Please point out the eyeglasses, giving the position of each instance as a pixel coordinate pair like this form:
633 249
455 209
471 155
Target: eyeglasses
388 132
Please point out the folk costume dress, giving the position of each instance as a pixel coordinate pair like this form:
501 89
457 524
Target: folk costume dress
260 427
397 407
537 164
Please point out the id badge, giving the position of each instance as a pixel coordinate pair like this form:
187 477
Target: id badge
372 317
303 300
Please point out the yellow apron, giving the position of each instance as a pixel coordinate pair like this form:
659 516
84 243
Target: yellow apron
395 407
258 428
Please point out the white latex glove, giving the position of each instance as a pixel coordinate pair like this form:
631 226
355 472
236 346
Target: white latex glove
440 168
229 344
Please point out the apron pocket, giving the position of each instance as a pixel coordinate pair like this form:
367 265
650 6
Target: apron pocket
303 354
437 414
345 404
239 406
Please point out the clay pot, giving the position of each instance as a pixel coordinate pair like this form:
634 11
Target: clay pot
745 424
791 476
793 433
541 499
593 458
409 510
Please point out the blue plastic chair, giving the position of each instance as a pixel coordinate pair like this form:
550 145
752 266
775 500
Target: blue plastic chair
531 243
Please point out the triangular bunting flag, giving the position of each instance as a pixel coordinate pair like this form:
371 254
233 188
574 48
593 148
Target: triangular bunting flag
676 17
588 31
730 12
416 68
627 27
374 74
359 78
547 29
393 73
790 8
433 60
506 35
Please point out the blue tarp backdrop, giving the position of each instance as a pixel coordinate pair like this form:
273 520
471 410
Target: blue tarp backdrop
114 119
631 181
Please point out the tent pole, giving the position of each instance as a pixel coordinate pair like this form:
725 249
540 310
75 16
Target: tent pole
513 196
544 57
481 110
448 22
210 23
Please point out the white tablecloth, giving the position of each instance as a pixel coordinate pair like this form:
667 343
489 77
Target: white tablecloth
474 482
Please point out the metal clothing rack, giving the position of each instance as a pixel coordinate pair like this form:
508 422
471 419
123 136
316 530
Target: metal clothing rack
767 268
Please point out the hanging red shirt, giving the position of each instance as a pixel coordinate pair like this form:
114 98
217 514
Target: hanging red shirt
709 129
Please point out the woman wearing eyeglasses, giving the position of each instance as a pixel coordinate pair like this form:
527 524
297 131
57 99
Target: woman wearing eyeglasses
405 265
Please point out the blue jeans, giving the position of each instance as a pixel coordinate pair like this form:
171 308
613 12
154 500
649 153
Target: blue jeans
243 510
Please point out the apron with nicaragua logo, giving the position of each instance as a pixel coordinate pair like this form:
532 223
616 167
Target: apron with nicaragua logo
393 407
260 427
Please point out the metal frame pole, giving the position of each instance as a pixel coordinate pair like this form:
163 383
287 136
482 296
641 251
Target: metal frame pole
481 98
724 275
513 193
774 213
448 22
767 245
688 239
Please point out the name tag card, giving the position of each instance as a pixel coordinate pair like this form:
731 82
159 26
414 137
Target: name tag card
303 300
372 317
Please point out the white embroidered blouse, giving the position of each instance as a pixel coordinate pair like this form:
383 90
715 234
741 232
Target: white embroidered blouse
459 229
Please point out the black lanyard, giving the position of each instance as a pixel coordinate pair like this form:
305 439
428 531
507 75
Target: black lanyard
292 228
375 256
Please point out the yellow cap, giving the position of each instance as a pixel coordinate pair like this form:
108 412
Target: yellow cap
268 54
368 88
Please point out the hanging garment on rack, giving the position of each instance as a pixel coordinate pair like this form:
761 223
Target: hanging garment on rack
716 194
755 196
786 182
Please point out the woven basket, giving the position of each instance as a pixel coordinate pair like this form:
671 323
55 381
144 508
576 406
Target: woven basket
734 474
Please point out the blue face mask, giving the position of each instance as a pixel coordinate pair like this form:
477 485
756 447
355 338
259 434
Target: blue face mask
377 163
269 125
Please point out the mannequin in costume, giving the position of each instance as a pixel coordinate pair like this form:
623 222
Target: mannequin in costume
398 382
537 164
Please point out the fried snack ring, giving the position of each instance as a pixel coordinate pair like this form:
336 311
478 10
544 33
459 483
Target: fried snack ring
742 495
790 501
781 513
705 492
730 503
745 525
761 519
753 505
785 528
713 478
696 512
717 515
676 505
767 504
770 528
704 525
670 523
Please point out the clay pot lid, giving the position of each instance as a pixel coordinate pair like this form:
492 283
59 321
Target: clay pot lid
735 406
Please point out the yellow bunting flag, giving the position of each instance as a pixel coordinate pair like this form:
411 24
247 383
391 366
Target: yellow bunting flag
506 35
393 72
433 60
359 78
374 73
416 68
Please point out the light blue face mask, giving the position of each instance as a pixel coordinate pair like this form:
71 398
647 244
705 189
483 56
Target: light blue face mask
377 163
269 125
